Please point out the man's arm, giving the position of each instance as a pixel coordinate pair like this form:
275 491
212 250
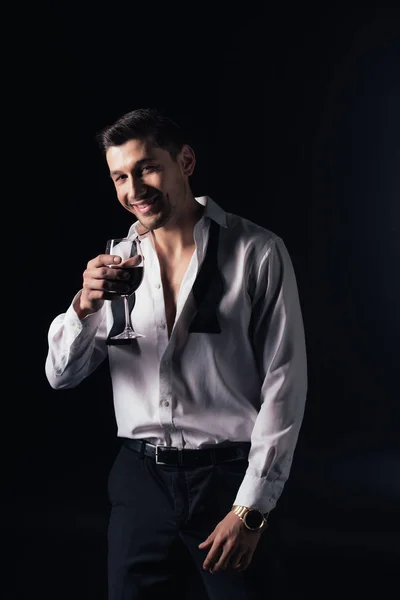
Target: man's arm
280 349
76 339
76 347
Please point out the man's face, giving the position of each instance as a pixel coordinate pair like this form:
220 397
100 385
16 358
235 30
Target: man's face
148 182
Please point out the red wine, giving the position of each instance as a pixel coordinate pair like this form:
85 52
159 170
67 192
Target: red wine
135 278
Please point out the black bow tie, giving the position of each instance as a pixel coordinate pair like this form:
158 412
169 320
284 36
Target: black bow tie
207 291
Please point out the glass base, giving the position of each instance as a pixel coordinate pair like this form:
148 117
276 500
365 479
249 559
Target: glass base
127 334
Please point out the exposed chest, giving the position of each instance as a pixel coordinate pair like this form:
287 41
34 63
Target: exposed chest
172 275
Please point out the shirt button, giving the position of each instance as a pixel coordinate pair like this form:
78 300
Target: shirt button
164 403
161 325
157 285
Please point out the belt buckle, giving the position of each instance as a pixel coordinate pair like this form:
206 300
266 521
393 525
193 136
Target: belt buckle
158 446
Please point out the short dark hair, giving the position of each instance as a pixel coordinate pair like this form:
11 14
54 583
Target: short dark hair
143 124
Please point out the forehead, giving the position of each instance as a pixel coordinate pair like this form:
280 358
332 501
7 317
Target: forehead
128 154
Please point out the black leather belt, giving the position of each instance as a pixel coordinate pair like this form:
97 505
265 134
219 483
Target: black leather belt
172 456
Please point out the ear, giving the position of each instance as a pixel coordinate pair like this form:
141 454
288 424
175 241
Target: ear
187 160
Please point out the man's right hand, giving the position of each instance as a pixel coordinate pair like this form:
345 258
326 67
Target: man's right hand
103 282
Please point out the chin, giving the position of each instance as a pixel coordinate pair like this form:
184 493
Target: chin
156 221
151 222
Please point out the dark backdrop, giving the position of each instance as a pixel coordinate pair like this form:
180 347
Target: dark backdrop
294 114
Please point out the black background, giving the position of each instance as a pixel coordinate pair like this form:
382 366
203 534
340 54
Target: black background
293 111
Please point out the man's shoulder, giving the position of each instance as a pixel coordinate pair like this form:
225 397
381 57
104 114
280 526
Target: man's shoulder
248 231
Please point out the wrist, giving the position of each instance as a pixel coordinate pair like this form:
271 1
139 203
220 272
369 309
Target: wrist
252 518
81 311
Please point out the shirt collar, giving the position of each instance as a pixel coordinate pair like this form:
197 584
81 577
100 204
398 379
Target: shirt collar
211 210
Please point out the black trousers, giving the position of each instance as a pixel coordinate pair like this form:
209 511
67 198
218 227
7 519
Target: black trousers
159 515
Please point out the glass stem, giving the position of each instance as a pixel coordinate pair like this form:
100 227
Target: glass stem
127 316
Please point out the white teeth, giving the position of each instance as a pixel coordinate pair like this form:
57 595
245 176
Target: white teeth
143 205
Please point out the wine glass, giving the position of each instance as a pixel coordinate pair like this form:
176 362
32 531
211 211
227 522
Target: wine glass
126 248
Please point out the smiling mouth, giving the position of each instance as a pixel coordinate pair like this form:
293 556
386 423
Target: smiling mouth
144 206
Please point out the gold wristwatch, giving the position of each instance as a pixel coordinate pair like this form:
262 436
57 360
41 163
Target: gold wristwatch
252 518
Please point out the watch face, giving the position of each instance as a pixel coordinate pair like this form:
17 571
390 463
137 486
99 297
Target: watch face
254 519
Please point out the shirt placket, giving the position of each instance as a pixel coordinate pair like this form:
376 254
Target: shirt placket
166 360
164 347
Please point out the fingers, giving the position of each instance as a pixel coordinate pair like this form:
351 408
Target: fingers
225 558
207 543
221 555
100 273
105 260
228 558
106 279
106 276
242 561
225 554
212 557
236 558
92 297
230 546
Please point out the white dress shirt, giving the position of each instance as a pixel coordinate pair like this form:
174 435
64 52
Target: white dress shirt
194 390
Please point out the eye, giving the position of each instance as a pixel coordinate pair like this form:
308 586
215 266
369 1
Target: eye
120 177
150 168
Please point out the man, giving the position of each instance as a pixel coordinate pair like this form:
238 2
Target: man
209 403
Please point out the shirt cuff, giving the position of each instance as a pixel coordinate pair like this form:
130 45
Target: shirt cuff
76 332
258 492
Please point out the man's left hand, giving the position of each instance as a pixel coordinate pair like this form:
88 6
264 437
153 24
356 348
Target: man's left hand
231 545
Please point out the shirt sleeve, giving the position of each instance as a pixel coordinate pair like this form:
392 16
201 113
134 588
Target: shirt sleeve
75 347
280 349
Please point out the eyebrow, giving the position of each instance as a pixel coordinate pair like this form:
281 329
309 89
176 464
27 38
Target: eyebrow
138 164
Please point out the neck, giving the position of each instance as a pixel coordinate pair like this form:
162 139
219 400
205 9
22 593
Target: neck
177 236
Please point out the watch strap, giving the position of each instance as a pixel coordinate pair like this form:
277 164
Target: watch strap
242 511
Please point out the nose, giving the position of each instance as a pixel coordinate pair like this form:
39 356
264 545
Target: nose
135 189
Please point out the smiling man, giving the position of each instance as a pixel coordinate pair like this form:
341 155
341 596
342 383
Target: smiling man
209 403
148 180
